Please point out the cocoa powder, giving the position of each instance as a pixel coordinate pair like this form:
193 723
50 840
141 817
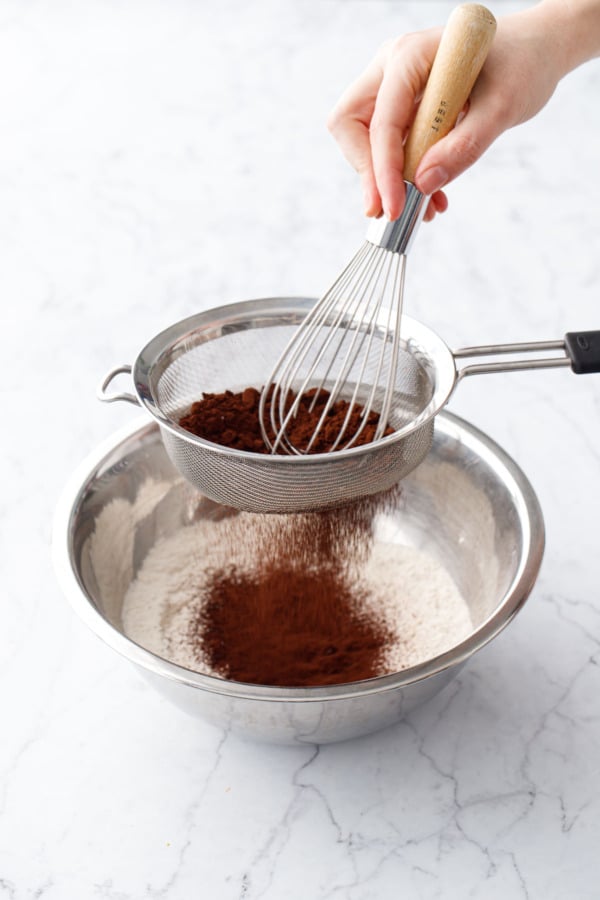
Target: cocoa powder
296 618
285 627
231 419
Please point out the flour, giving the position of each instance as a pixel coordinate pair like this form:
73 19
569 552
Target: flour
405 587
110 545
418 601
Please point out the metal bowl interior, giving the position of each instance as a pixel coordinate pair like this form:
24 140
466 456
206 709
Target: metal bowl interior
468 505
236 346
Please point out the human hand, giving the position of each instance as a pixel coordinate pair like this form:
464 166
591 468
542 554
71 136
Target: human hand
371 120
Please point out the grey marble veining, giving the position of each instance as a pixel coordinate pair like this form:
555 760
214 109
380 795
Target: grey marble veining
162 158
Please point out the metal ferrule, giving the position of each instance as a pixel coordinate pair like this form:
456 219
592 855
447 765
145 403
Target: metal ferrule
398 236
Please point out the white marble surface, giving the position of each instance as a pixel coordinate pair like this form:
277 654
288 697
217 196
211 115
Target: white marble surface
162 157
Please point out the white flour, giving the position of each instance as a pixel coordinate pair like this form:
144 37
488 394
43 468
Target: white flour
408 589
112 541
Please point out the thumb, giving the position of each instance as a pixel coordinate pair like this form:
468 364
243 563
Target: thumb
459 149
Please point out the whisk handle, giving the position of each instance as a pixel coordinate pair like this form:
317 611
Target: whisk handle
461 54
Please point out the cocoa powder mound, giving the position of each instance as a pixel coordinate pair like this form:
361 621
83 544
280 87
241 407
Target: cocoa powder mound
295 617
231 419
289 628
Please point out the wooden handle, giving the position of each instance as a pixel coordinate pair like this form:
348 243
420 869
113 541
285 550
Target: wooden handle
463 48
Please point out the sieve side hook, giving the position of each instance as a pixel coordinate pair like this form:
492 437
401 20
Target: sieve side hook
110 376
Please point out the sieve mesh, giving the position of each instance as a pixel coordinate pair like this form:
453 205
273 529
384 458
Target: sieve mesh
240 353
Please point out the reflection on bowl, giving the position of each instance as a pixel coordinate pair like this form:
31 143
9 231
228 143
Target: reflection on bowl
467 505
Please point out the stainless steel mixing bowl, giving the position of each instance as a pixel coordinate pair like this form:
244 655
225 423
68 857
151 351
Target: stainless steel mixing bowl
468 505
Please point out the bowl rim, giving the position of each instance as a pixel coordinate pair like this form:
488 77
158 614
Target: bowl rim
452 426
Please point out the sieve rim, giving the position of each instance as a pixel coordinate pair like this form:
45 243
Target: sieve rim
467 435
420 338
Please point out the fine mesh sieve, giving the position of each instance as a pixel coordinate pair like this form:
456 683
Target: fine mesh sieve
234 347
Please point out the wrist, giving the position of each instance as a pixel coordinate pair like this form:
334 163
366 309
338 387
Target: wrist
571 29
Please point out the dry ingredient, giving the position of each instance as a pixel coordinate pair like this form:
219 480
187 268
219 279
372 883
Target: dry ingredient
231 419
287 627
298 600
298 616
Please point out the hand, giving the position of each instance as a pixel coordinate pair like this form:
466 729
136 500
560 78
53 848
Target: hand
531 51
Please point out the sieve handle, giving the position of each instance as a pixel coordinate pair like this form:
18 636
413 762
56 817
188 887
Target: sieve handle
111 398
580 350
461 54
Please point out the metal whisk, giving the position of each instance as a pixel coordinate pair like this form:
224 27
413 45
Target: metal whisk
349 343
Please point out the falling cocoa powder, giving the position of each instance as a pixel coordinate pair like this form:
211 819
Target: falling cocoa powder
296 617
231 419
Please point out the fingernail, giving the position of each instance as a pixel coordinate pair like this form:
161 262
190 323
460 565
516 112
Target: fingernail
432 180
389 213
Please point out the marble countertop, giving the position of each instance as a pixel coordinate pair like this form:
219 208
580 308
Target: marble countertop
161 158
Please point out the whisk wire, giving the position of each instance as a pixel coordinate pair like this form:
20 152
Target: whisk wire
367 285
347 314
379 292
345 329
394 302
293 356
350 303
327 306
397 291
364 263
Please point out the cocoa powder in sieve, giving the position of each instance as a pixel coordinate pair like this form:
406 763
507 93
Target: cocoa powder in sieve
232 419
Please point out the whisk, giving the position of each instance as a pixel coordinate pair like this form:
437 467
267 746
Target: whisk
348 345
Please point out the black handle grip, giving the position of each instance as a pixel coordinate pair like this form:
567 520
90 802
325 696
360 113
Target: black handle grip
583 348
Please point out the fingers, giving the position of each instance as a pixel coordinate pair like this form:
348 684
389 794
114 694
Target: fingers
406 70
463 146
437 204
393 108
372 118
355 145
349 123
